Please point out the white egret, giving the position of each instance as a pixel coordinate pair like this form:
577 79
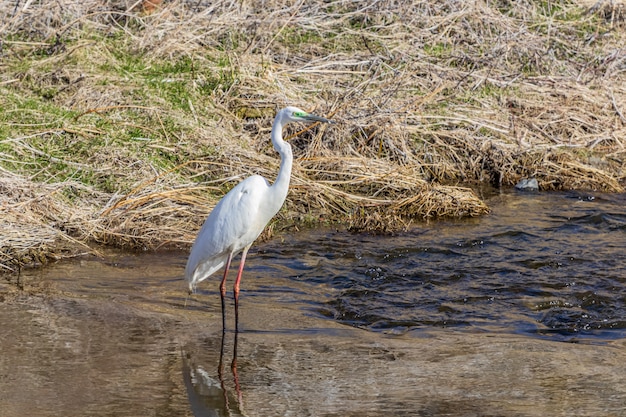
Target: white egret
242 214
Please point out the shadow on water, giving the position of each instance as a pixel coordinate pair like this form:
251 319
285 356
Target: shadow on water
457 318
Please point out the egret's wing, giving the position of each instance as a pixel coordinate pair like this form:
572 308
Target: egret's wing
232 225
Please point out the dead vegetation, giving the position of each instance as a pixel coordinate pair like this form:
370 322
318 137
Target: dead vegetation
123 122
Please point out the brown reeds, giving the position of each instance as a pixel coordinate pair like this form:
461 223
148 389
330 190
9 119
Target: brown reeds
32 219
431 98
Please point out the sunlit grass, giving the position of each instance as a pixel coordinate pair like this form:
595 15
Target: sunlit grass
144 121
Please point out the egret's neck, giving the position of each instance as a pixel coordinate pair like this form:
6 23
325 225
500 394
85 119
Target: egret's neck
281 185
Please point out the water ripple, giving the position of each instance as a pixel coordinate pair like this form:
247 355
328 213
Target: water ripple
548 265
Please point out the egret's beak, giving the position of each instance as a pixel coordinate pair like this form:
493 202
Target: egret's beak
314 118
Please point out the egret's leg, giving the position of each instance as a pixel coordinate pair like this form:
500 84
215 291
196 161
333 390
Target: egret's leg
236 287
223 292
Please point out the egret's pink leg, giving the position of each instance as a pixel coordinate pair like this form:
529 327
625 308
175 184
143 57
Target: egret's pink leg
236 287
223 292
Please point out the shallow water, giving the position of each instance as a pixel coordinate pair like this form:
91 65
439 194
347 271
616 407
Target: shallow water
463 318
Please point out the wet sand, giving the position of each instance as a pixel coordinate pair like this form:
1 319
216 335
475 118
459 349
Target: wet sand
123 343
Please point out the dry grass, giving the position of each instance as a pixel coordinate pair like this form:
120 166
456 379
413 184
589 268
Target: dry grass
30 216
124 121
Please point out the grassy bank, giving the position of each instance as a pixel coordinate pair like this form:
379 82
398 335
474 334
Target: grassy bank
124 127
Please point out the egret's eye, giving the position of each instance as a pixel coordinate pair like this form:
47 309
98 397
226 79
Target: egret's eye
299 114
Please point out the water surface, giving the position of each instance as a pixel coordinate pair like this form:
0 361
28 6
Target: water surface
519 313
548 265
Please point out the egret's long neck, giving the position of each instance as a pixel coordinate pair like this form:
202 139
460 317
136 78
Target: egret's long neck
281 185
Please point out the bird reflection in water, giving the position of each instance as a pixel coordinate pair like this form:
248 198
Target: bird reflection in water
233 368
209 397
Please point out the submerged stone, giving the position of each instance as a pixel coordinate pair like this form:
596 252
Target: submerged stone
528 184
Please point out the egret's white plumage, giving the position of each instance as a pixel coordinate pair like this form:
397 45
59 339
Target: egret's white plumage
242 214
235 222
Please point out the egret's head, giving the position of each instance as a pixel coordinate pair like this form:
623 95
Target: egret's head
294 114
